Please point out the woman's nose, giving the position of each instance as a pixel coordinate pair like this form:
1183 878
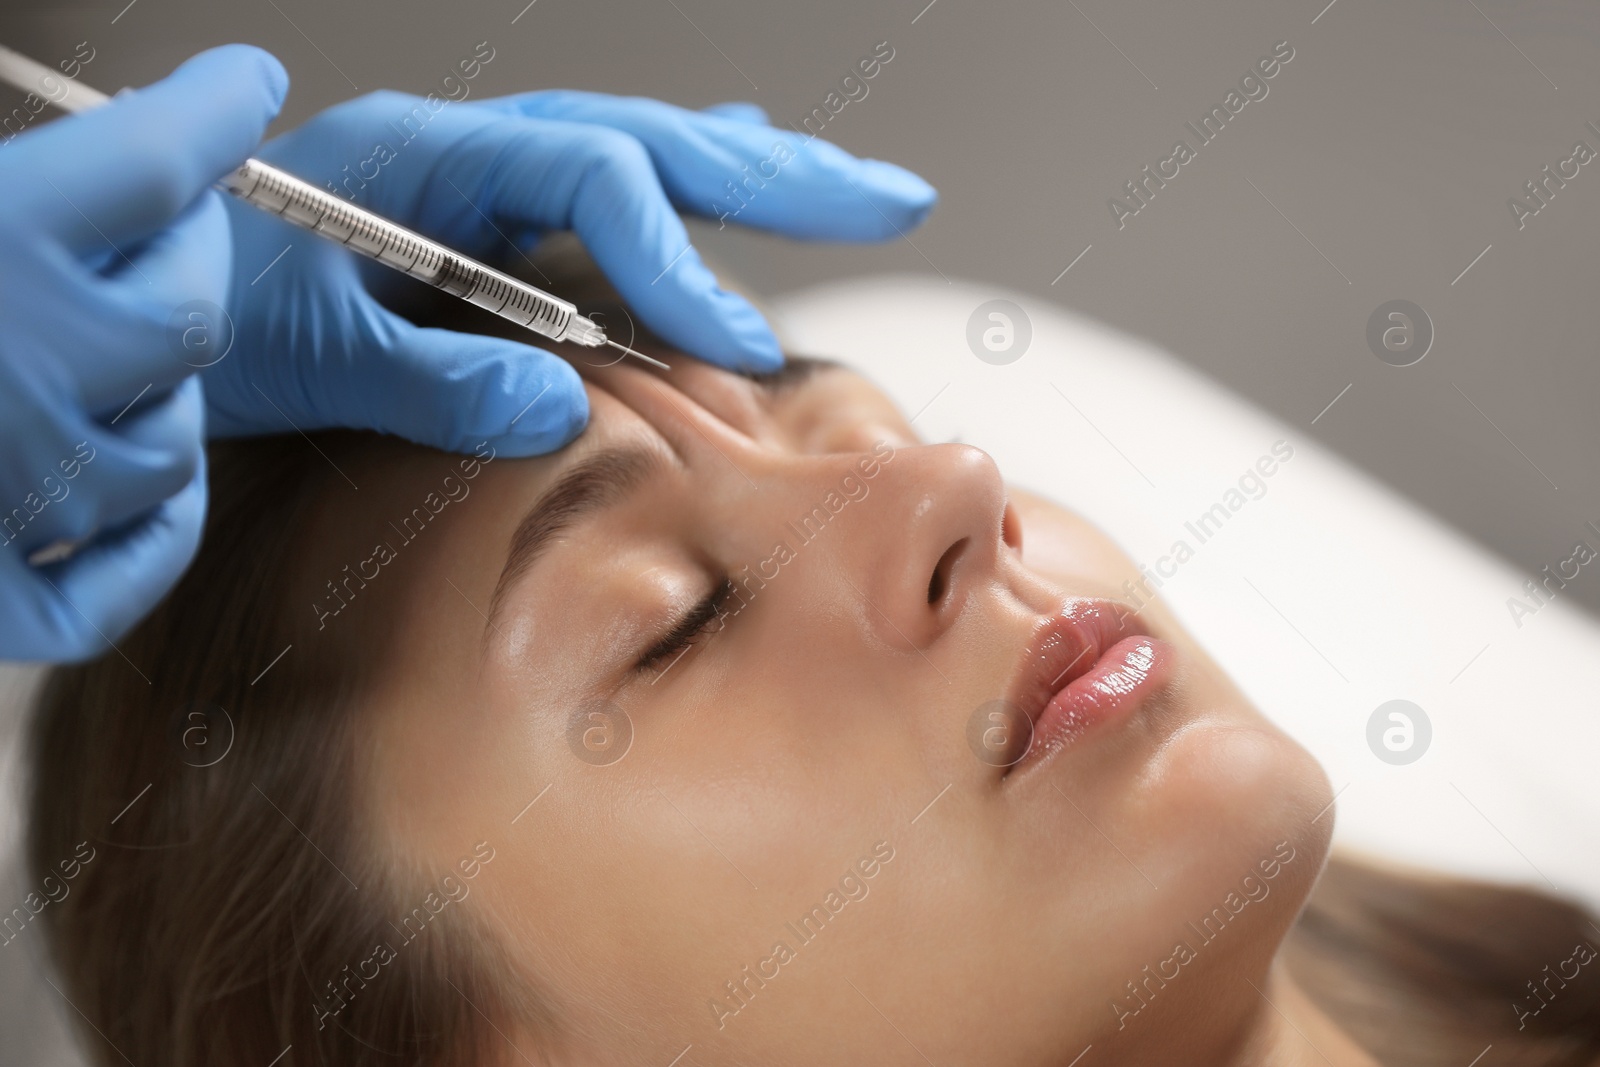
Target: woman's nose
927 522
934 535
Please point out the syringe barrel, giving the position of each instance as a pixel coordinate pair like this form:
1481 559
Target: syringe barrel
409 252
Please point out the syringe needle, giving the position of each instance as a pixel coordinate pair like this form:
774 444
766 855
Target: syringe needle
639 355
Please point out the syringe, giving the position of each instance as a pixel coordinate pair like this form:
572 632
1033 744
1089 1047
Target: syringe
358 229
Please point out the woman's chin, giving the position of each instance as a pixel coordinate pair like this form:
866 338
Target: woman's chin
1225 793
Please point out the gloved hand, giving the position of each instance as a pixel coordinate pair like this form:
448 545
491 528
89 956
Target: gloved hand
313 348
108 226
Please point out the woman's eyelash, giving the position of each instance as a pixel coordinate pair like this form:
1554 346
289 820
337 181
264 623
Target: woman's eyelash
695 623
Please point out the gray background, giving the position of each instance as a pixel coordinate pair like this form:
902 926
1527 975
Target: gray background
1381 161
1391 143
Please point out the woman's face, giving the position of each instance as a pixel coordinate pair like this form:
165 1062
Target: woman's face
783 820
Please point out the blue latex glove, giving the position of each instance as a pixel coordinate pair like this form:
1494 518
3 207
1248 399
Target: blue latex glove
108 226
314 349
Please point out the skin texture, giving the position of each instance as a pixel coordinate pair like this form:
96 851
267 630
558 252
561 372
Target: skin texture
819 728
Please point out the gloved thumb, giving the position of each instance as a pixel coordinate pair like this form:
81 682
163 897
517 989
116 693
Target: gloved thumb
89 601
165 143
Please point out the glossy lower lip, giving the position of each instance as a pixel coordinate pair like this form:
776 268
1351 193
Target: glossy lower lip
1126 674
1090 664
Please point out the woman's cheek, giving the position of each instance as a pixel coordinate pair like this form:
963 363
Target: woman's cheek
1060 545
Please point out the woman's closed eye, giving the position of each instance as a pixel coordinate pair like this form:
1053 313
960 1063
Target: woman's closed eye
705 617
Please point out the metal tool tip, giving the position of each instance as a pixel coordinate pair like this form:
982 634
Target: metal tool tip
638 355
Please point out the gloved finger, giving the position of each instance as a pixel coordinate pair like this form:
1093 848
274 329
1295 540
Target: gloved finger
739 111
119 173
792 183
477 177
602 184
451 390
123 471
80 606
189 259
163 312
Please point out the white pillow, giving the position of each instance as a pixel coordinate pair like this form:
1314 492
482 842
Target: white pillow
1325 596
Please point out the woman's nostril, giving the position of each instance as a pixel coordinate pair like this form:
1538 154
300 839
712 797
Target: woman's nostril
1011 528
941 572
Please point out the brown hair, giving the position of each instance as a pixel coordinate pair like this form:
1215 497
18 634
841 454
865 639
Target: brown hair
1428 971
234 904
219 920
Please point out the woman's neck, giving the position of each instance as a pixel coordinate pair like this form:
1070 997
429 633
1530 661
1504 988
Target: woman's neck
1290 1030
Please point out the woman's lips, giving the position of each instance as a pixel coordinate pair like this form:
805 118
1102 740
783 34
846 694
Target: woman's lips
1088 664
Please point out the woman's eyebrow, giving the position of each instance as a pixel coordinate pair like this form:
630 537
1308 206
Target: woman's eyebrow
590 485
795 371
